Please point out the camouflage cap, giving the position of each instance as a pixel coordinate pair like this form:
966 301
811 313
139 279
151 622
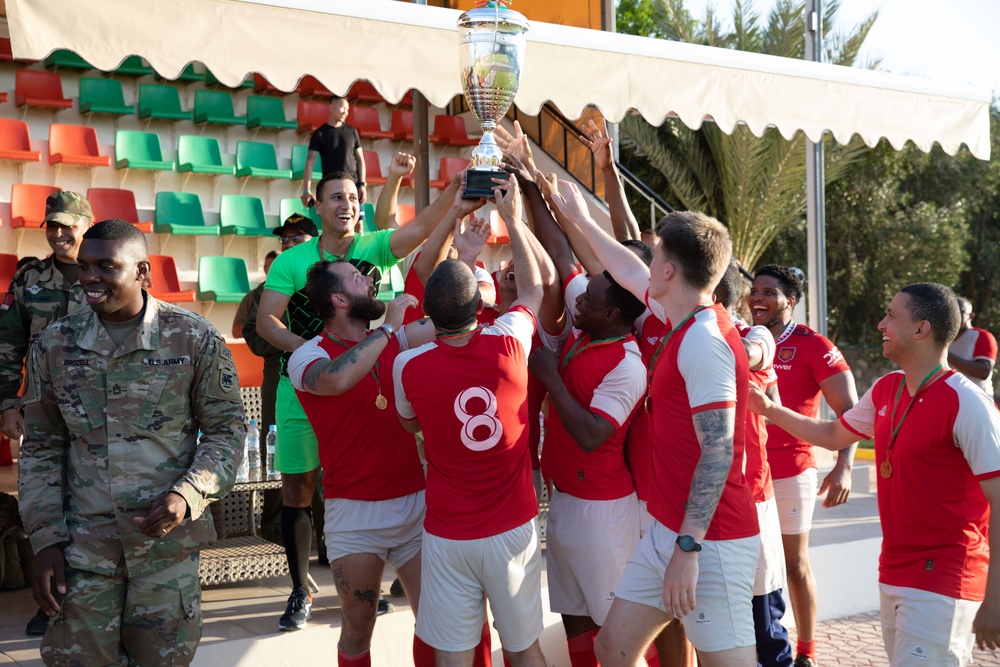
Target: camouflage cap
67 208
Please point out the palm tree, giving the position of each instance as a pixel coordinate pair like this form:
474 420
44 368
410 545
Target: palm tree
755 185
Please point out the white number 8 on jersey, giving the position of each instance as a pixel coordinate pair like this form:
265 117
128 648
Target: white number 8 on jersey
485 419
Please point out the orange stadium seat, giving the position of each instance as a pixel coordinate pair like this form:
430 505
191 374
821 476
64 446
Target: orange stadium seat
405 213
75 144
27 204
373 169
8 265
35 88
366 121
15 143
249 367
498 230
312 116
449 167
114 203
165 284
450 130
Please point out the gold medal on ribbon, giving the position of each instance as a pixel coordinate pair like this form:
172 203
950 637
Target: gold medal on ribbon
380 402
885 469
648 404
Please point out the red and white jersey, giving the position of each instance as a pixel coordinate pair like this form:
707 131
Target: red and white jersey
413 285
610 379
471 402
703 366
934 515
758 472
649 331
365 452
976 344
802 359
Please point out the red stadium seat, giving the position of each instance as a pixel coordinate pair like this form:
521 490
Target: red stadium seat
449 167
309 86
165 284
498 230
249 367
75 144
312 116
373 169
405 213
8 265
35 88
15 143
367 122
450 130
402 125
27 204
114 203
363 91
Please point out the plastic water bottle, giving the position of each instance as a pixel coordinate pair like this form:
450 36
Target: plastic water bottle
272 438
253 451
243 472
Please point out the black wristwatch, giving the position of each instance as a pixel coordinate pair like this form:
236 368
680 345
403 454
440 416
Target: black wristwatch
687 544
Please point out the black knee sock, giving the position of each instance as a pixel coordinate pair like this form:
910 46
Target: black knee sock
296 531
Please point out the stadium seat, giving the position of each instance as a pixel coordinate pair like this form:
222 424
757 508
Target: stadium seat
363 91
222 279
164 282
498 230
180 213
449 167
366 121
161 102
215 106
115 203
188 74
8 265
64 59
405 213
373 169
402 125
255 159
139 150
201 155
75 144
243 216
289 205
262 86
312 116
27 204
7 54
309 86
368 218
299 155
34 88
450 131
133 66
103 96
15 143
210 80
249 367
267 113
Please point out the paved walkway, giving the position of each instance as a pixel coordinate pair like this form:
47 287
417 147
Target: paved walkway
856 641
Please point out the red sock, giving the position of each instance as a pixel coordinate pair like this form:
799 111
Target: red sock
483 656
423 653
581 650
806 648
359 660
651 657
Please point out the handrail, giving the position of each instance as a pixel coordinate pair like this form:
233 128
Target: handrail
657 206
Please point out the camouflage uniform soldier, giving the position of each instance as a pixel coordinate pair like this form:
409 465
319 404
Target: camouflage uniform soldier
41 292
114 480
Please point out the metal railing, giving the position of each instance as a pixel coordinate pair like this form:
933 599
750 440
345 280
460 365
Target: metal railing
657 206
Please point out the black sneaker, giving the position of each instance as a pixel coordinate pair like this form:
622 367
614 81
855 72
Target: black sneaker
803 660
384 606
37 624
298 611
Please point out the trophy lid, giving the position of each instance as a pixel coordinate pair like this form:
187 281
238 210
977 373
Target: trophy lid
488 15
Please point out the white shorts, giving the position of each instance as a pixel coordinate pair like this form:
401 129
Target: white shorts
645 518
723 615
456 575
587 546
391 529
926 629
770 575
796 498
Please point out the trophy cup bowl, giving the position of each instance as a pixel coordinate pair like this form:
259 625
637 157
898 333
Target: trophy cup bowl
491 49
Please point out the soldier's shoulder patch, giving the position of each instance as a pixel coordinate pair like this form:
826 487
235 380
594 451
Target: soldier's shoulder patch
8 301
227 377
34 289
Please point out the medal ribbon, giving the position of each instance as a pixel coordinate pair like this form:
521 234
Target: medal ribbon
458 334
374 370
656 355
578 348
895 405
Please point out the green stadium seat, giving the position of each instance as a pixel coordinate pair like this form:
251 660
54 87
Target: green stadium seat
161 102
27 204
34 88
103 96
139 150
368 214
133 66
201 155
215 106
15 142
116 203
289 205
243 216
188 74
180 213
299 155
75 144
210 80
258 160
64 59
164 283
222 279
267 113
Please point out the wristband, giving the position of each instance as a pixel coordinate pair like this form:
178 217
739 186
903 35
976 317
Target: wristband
361 184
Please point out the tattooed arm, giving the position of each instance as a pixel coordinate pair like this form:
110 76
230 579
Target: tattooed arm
715 429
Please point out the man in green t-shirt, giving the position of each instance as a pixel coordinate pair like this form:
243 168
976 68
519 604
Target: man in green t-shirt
296 453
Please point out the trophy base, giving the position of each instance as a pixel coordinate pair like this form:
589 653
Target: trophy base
479 182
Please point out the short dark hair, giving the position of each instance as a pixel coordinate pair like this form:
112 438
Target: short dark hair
938 305
730 288
116 229
699 245
333 176
790 284
451 295
321 282
644 250
271 255
628 306
962 301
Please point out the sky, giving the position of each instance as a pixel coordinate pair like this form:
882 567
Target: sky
952 41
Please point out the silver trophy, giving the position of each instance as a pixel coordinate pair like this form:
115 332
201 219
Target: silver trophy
490 53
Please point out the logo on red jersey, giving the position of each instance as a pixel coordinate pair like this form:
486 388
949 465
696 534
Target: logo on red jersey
786 354
833 357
